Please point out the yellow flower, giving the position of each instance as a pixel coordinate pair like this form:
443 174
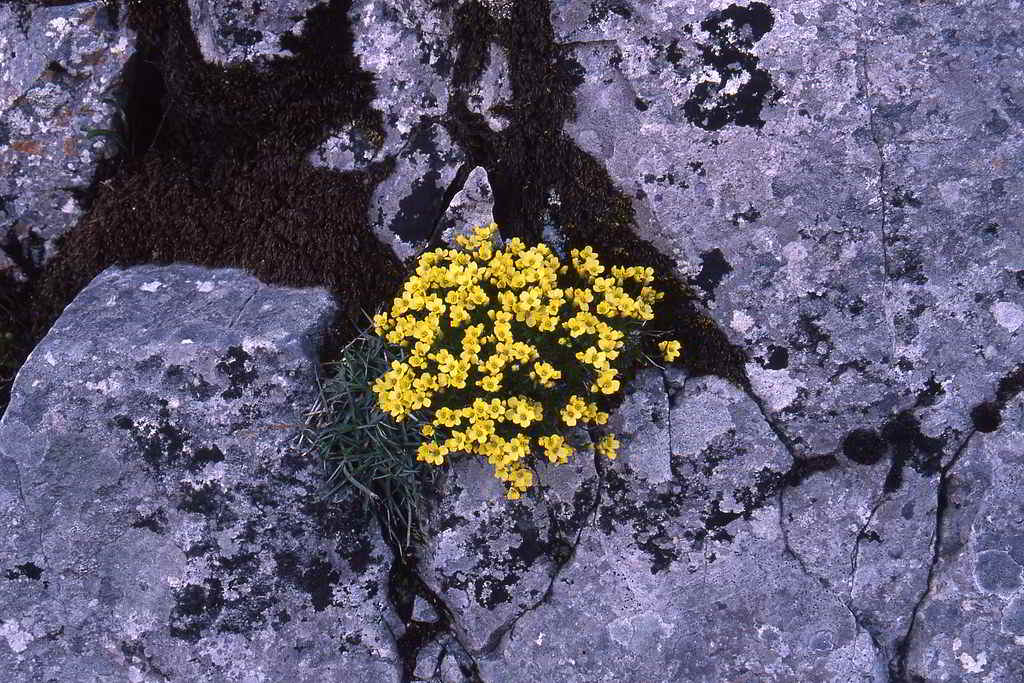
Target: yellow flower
505 315
670 350
608 446
573 411
491 383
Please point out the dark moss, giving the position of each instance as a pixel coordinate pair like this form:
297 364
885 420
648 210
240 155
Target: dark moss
217 175
15 339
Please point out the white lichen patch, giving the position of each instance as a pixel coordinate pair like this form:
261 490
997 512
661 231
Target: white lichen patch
17 638
774 386
741 322
1008 315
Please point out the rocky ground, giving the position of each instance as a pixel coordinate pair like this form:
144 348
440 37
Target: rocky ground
827 487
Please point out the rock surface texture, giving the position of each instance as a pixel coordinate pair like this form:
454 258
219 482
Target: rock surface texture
839 183
157 524
60 83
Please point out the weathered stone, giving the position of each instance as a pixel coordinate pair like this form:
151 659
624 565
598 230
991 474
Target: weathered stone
843 203
159 524
59 77
663 586
472 206
406 46
493 90
407 205
491 560
969 623
233 31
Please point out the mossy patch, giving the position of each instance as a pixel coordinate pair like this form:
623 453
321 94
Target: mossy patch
15 342
216 172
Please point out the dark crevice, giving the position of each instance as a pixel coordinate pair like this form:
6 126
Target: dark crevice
458 182
404 585
562 560
862 534
898 664
859 621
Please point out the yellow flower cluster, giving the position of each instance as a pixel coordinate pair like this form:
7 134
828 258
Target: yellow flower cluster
504 343
670 350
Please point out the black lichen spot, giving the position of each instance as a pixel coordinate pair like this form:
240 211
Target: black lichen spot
149 364
931 393
156 522
28 570
997 125
778 358
160 445
209 500
204 456
910 447
315 576
238 367
600 9
864 446
713 267
196 607
422 207
673 54
870 535
901 198
748 216
734 31
188 380
1010 386
244 36
986 416
200 549
810 337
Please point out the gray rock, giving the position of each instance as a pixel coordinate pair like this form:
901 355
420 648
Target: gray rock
472 206
670 585
407 205
59 80
492 560
160 526
347 150
406 45
234 31
493 90
837 201
969 625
